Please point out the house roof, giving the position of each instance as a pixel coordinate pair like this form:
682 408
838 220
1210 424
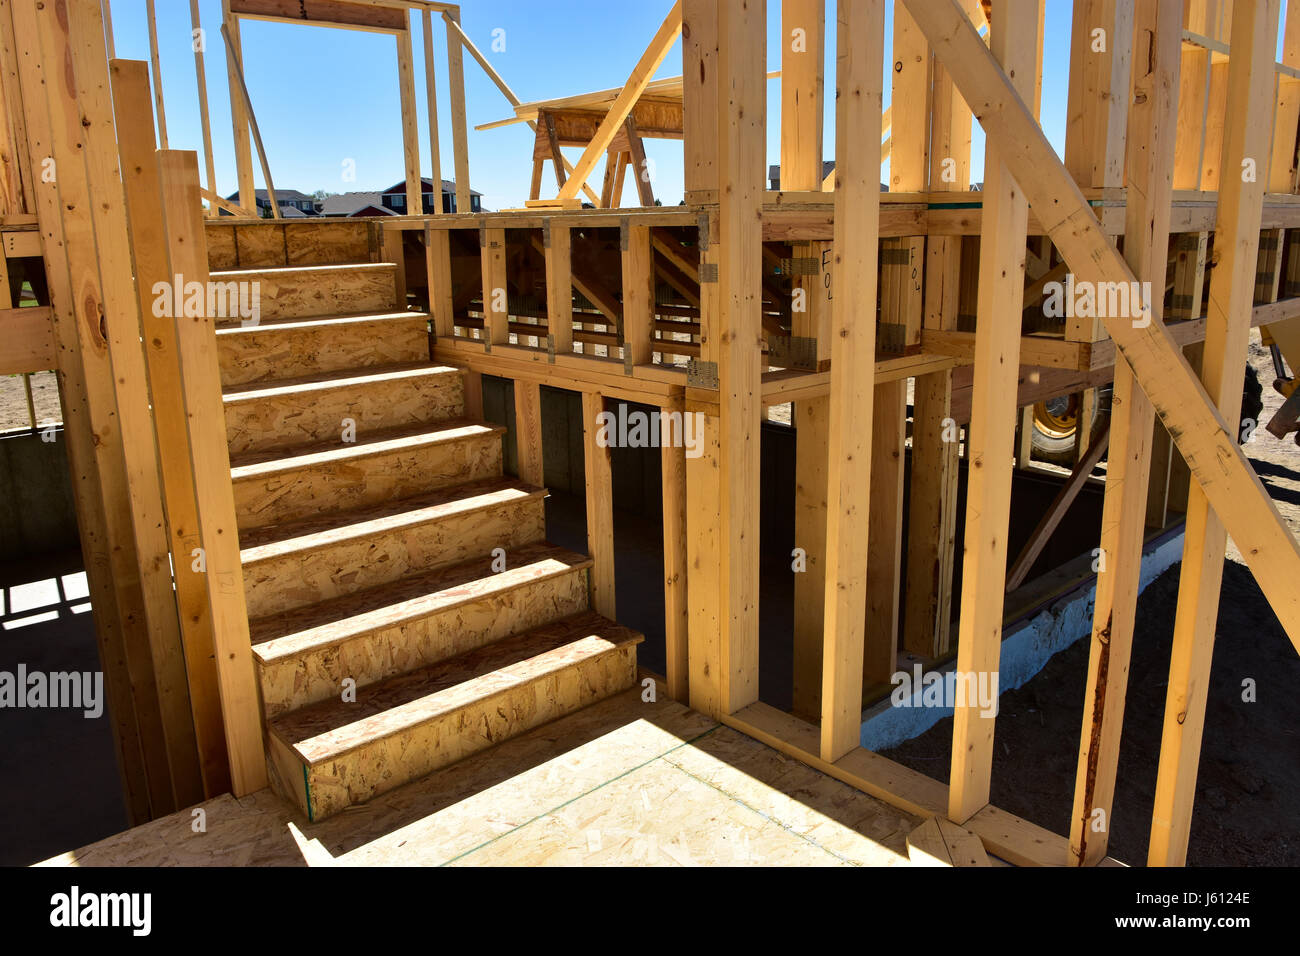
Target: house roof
281 196
447 186
347 204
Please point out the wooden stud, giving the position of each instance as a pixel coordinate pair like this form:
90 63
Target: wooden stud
885 533
201 378
991 451
860 30
700 99
237 74
600 506
638 296
559 289
99 258
932 516
1254 31
238 113
803 61
431 96
528 432
742 32
459 127
201 77
130 86
410 126
496 307
97 480
672 461
152 18
437 250
1152 136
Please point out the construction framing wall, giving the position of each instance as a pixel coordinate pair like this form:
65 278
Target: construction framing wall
829 294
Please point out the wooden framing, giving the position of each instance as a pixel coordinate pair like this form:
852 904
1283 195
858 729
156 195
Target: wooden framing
1232 286
988 500
853 350
150 476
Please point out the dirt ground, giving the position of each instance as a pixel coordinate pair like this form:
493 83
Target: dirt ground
1248 790
14 412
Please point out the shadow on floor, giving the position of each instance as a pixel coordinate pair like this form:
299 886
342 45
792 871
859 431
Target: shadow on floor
61 784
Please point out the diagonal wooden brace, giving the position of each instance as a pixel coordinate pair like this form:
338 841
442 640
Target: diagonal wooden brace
1197 428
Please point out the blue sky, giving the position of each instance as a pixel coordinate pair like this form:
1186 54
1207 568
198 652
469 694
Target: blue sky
323 96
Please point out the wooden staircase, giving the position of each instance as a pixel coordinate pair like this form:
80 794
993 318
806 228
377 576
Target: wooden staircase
369 507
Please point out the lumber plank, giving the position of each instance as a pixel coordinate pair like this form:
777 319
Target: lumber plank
600 506
990 451
1152 131
638 295
853 354
238 112
496 307
431 98
672 464
27 341
410 125
103 268
130 85
1232 286
742 139
803 56
528 432
201 378
113 589
459 123
940 842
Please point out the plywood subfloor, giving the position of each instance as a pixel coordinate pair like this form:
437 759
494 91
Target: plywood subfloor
621 783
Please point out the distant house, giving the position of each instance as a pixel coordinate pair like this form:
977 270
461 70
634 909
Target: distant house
293 204
394 198
828 166
355 204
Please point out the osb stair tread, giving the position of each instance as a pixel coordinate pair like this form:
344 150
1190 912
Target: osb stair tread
291 633
317 531
328 730
385 441
339 379
280 324
234 275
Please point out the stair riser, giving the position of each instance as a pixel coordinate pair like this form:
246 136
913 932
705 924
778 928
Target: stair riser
262 500
299 578
319 674
267 353
382 765
306 294
288 420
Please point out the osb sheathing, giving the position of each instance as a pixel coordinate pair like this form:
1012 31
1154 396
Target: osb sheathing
603 786
340 477
299 411
268 245
272 352
321 558
312 291
405 728
310 665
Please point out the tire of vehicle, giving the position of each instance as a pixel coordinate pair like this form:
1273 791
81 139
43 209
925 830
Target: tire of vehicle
1056 421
